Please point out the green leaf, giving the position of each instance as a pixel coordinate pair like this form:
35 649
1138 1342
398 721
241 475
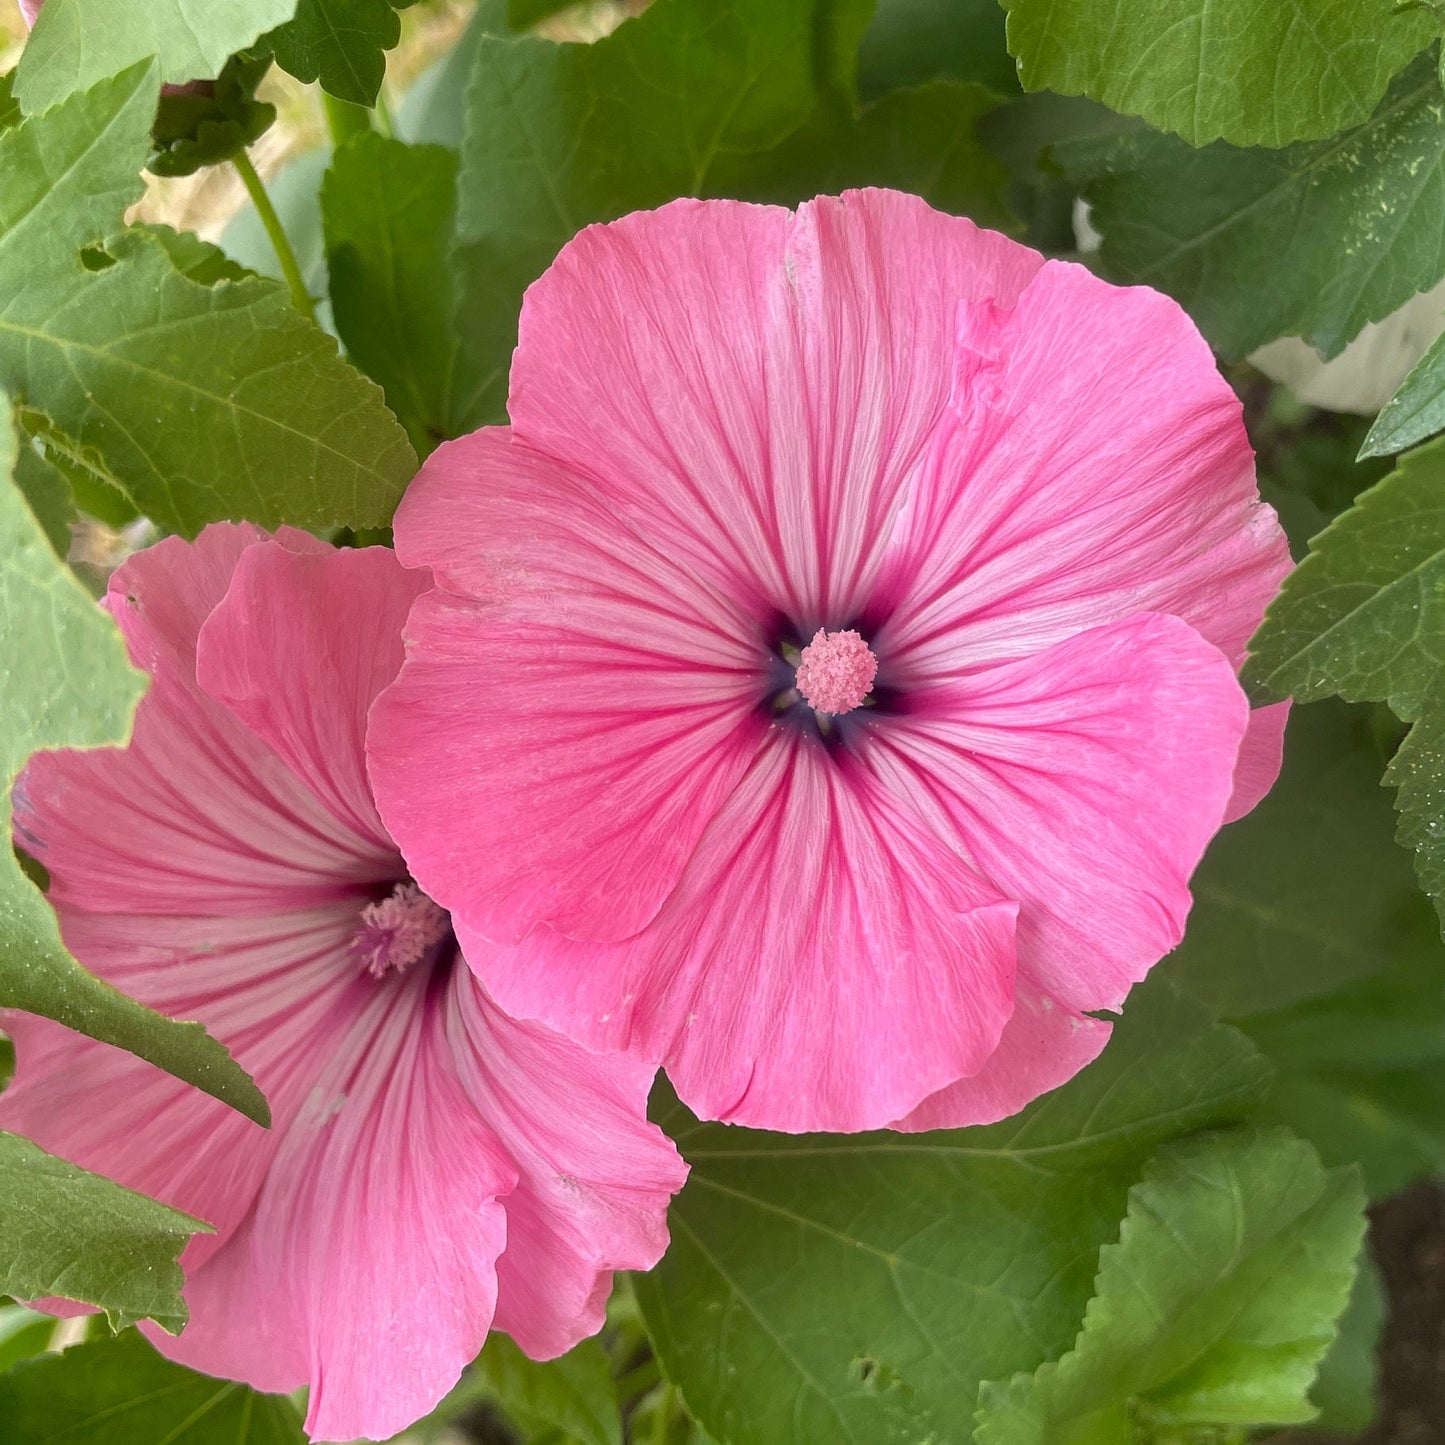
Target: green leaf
1361 1071
569 1398
341 43
75 688
910 41
1260 75
1415 412
1215 1307
859 1288
1312 241
745 98
85 1238
1364 614
1345 1388
922 139
524 14
209 401
1309 892
78 42
9 106
388 211
121 1392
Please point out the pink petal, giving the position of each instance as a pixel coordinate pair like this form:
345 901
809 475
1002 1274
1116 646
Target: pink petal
1043 1045
197 815
753 386
824 962
266 987
1085 782
575 718
30 10
595 1178
1260 756
1093 464
298 650
367 1266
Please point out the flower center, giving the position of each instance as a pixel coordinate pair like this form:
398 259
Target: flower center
836 671
397 932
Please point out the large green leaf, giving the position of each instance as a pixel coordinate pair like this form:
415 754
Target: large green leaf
69 685
121 1392
742 98
1255 74
1215 1307
85 1238
341 43
78 42
1309 892
858 1289
910 41
1364 617
1313 241
388 211
209 400
1361 1071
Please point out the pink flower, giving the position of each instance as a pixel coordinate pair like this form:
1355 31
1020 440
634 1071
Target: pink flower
435 1167
749 447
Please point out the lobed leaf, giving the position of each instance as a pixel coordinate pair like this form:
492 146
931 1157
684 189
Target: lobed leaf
860 1288
1258 75
1313 241
740 98
76 43
388 213
340 43
210 396
1214 1308
121 1392
81 1237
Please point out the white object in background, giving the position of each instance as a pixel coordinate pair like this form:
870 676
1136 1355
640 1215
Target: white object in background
1364 376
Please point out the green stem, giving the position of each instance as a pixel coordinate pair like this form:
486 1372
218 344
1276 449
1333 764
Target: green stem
290 269
344 118
384 122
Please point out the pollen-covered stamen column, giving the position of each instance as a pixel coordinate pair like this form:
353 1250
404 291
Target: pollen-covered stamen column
836 671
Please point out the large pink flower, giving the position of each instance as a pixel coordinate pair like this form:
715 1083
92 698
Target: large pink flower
829 684
435 1167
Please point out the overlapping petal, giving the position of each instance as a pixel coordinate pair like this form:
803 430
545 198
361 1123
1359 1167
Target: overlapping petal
357 1243
574 696
1085 782
824 963
752 385
197 815
1092 463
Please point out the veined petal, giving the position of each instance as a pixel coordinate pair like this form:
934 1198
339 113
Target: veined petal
366 1267
1042 1046
1085 782
824 963
575 704
298 649
1092 463
594 1177
197 815
752 385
